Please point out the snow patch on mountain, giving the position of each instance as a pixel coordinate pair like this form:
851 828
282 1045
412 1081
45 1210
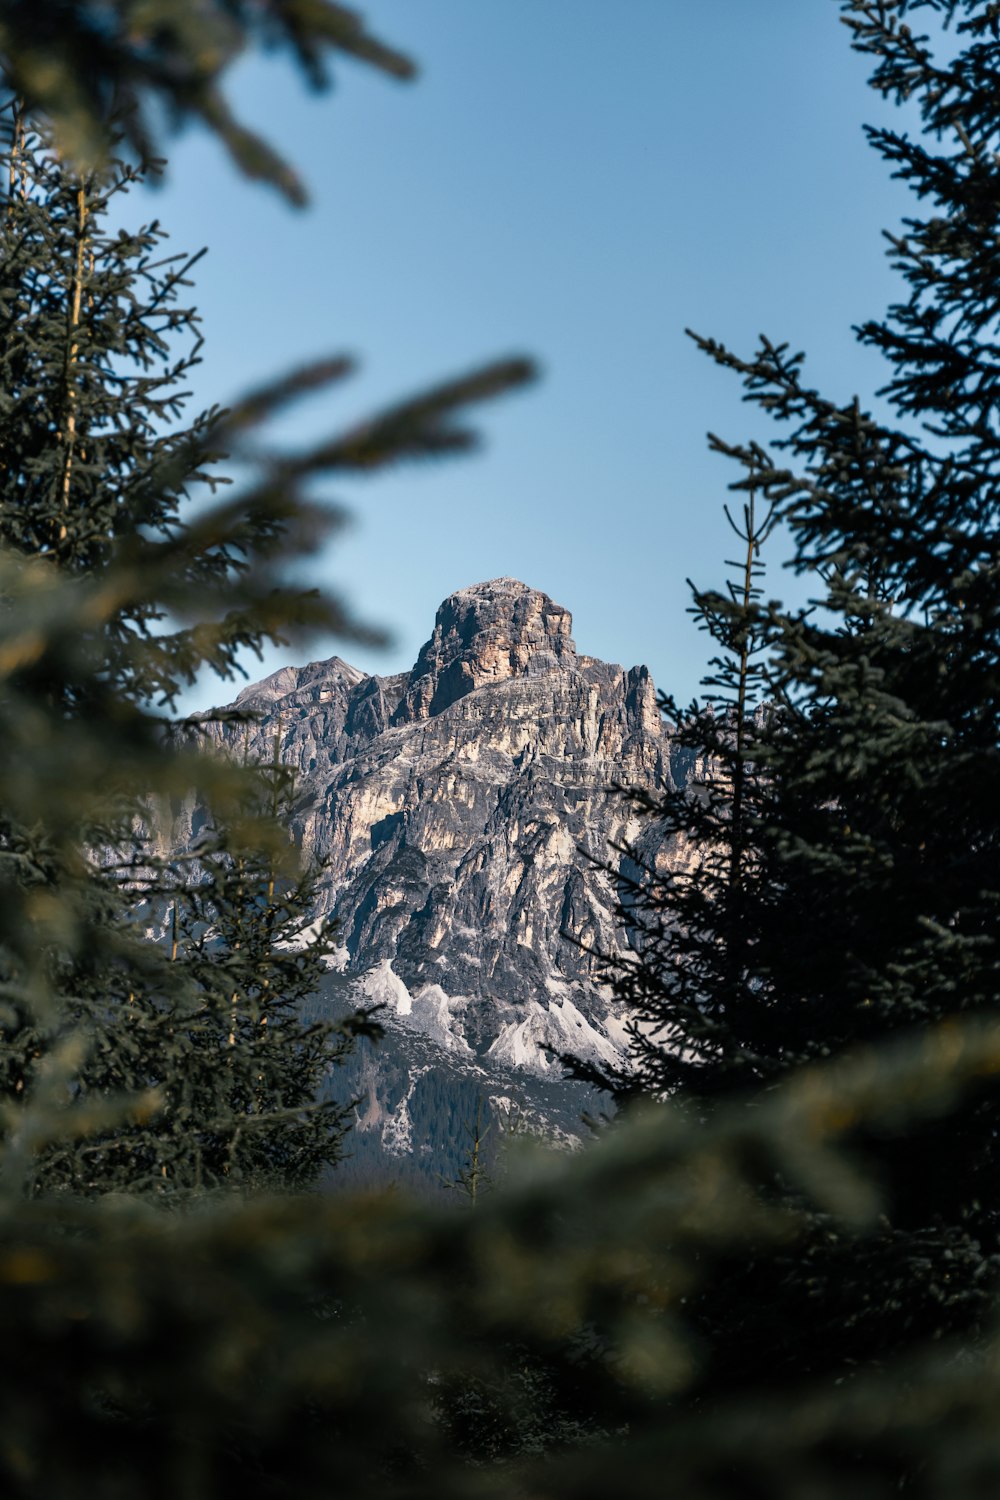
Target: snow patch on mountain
559 1024
438 1016
382 986
430 1011
397 1132
308 935
615 1026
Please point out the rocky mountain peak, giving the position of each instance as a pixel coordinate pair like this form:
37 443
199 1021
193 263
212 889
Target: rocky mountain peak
469 823
483 635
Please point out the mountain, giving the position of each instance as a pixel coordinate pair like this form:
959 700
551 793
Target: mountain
464 811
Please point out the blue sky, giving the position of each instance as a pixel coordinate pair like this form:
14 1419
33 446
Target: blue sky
577 181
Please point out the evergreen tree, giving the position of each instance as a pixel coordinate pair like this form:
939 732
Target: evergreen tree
212 1033
473 1174
90 381
246 929
90 393
98 475
77 62
870 907
691 978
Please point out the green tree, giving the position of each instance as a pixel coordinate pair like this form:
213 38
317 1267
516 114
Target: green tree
100 482
870 909
252 1111
690 977
97 346
212 1034
82 63
473 1175
91 392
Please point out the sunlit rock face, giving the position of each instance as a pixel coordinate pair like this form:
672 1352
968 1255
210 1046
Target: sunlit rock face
483 636
459 808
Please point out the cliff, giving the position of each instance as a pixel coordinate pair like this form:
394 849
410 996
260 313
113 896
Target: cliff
464 811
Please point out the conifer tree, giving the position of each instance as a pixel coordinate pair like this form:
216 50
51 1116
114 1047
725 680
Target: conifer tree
871 904
147 62
213 1031
247 932
690 977
98 473
90 383
473 1174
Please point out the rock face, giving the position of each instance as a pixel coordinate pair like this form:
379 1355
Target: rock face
459 808
482 636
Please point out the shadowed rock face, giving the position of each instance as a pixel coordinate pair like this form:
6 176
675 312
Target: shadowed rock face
459 807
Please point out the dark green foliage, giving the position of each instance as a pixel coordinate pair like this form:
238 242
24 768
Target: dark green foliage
118 590
83 62
91 385
301 1348
96 344
252 1106
473 1176
869 904
212 1033
692 976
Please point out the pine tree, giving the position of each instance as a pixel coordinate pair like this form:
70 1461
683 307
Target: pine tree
78 62
90 392
473 1174
97 345
690 977
870 911
98 477
212 1033
247 932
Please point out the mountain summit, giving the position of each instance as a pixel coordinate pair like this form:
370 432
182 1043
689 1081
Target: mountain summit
460 809
482 636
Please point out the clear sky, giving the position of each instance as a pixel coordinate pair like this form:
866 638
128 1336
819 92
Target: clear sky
578 181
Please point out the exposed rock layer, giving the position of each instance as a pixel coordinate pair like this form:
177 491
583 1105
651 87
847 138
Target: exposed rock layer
459 808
